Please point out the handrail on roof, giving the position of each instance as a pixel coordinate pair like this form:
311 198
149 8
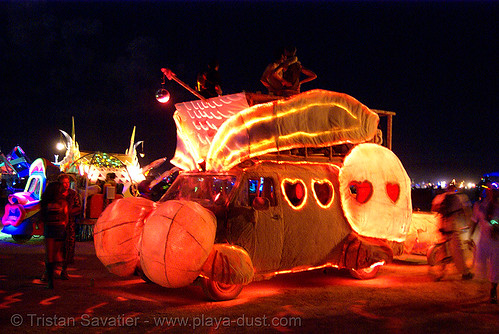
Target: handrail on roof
389 124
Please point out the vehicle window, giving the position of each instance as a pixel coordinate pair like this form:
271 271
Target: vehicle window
204 189
262 187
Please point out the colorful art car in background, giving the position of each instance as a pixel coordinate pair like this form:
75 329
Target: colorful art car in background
278 187
21 217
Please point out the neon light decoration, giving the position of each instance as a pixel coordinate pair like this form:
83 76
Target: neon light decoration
96 165
224 131
315 118
295 192
197 124
181 238
323 191
25 204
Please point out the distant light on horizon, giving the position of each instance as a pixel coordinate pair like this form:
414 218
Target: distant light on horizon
443 184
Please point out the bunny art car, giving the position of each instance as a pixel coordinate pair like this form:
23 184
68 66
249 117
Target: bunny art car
277 187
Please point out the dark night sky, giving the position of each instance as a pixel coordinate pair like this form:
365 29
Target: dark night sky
433 63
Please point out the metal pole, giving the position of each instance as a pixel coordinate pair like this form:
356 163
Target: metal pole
171 76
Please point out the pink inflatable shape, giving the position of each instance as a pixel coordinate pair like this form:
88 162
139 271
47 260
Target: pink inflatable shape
14 215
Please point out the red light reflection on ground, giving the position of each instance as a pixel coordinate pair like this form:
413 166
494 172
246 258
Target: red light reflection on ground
48 301
11 300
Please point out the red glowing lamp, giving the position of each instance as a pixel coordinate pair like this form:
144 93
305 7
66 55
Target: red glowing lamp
162 95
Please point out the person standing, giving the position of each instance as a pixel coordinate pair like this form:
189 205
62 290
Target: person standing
293 72
208 81
486 217
272 76
54 214
109 189
453 214
74 209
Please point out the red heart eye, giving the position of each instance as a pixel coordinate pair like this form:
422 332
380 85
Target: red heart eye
361 191
393 191
295 192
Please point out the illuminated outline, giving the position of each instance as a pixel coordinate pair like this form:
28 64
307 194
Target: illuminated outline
305 195
322 181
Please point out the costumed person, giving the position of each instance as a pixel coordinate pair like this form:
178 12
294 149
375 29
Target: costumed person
208 81
74 209
54 214
293 72
272 77
453 214
486 217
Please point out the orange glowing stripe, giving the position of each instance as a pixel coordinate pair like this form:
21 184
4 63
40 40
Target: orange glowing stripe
213 126
298 163
305 195
315 134
299 270
253 121
256 150
223 161
311 105
185 163
327 265
235 130
328 204
374 265
252 148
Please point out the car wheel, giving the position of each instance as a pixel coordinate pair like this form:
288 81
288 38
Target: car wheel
21 238
219 291
365 273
